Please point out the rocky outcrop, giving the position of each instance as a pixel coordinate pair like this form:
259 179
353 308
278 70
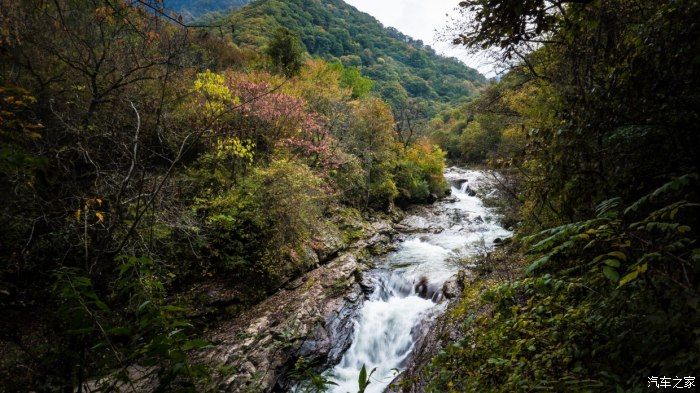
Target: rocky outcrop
311 318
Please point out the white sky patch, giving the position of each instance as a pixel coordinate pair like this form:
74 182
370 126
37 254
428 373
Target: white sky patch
424 19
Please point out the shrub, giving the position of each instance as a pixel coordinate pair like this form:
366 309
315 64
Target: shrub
258 226
607 303
419 173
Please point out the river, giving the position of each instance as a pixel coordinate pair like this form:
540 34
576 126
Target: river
408 282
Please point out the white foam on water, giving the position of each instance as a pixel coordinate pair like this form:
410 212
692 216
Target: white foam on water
385 329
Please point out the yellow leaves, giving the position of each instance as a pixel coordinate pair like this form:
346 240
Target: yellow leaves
153 36
91 204
212 87
319 82
104 13
536 103
633 275
673 213
228 148
683 229
618 255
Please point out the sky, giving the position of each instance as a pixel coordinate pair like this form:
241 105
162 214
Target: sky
421 19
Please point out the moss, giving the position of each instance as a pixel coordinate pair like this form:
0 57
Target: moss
339 286
470 299
309 284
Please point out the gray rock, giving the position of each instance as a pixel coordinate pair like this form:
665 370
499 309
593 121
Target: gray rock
450 289
457 183
311 318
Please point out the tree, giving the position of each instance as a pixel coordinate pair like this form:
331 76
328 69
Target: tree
411 120
286 52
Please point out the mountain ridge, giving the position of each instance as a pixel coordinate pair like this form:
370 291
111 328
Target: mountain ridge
403 68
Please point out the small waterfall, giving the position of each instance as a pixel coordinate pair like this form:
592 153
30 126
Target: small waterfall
409 283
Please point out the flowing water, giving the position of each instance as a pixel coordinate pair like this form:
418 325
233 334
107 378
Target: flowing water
434 240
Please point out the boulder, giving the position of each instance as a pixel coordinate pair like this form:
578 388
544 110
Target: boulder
450 289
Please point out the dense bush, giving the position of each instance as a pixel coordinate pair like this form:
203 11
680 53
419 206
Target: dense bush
597 122
419 173
257 228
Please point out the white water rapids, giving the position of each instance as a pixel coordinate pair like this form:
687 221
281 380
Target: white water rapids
436 238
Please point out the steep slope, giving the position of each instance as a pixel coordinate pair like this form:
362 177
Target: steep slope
191 9
401 66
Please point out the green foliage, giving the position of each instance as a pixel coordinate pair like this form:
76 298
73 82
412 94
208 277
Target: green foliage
477 141
363 379
190 9
484 130
352 78
381 190
599 136
149 331
307 380
335 30
350 180
178 147
257 229
285 52
612 299
419 173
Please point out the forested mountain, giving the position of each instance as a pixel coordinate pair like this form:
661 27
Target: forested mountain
191 9
402 67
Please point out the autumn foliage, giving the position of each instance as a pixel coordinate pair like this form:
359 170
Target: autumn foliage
140 158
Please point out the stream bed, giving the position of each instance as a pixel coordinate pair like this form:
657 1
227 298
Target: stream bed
407 283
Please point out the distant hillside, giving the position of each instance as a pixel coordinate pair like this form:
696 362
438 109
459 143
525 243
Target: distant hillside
191 9
401 66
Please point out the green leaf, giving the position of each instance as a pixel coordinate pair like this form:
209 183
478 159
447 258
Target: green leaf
119 331
611 273
143 305
362 381
537 264
101 305
612 263
195 344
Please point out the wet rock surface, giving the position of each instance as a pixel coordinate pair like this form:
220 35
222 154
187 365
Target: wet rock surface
315 317
400 322
312 317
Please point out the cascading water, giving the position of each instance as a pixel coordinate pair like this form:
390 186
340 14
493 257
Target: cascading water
408 281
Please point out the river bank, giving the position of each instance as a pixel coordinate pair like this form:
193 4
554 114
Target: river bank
366 306
413 285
